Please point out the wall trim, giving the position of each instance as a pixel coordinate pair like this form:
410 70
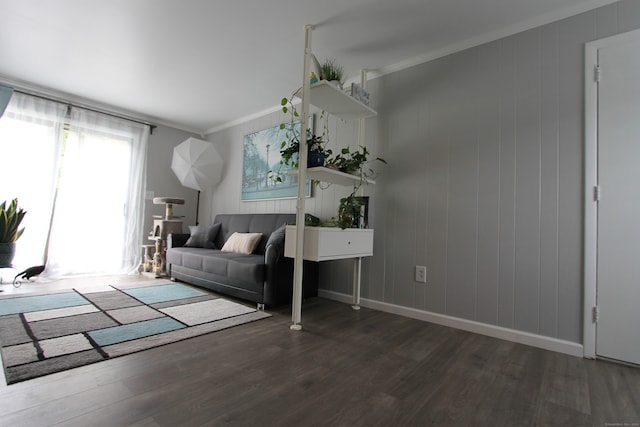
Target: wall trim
527 338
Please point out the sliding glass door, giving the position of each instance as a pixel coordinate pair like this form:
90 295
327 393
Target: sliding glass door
80 175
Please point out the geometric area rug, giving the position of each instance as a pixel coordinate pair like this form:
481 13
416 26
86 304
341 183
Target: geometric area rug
46 333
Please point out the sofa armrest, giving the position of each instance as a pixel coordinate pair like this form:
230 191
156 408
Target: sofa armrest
176 240
272 254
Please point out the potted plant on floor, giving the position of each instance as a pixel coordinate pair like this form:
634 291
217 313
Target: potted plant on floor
10 219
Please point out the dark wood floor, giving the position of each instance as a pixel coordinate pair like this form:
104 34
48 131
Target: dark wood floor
346 368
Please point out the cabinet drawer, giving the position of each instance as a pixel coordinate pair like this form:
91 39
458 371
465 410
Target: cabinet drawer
326 243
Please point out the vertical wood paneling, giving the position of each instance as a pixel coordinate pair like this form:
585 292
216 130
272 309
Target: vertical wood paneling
628 15
379 208
548 312
484 185
607 21
422 196
572 35
488 113
527 123
462 190
437 183
507 185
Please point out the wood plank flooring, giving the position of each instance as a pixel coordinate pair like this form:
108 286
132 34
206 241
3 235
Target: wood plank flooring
345 368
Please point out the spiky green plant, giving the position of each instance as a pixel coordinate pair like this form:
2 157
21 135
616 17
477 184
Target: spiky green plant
331 70
10 219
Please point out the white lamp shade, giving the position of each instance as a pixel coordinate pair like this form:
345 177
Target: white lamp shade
197 164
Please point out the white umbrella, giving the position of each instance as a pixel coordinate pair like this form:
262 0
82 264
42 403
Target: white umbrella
197 165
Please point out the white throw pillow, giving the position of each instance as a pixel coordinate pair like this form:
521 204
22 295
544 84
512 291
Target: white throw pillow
241 243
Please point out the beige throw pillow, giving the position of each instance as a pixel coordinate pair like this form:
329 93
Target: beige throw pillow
241 243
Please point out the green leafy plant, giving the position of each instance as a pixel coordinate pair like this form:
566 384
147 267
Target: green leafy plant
331 70
349 211
290 146
10 219
353 162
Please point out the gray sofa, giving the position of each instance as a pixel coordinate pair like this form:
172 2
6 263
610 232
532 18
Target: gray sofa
265 276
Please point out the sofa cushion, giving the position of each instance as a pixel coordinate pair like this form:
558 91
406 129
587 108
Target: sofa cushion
248 270
203 236
242 243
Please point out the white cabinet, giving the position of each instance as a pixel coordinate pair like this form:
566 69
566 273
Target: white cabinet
329 243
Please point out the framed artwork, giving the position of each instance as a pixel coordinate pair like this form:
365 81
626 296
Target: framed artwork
260 159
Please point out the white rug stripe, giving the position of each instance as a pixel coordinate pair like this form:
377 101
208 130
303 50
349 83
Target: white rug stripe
35 316
206 311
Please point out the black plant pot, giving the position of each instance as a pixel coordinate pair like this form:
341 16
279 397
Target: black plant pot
315 159
7 252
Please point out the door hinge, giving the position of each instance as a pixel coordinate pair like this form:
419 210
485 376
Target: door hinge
596 193
596 314
597 74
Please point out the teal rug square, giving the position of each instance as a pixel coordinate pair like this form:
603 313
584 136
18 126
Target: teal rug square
26 304
132 331
156 294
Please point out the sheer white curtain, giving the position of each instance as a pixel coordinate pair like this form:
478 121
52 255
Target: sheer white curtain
82 182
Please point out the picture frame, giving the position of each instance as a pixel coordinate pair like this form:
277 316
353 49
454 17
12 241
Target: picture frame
261 159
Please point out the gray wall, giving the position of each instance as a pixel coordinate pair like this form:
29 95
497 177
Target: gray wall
163 182
484 185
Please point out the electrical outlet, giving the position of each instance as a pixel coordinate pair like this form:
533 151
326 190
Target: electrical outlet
421 273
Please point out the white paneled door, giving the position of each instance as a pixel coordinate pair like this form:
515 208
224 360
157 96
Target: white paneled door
618 235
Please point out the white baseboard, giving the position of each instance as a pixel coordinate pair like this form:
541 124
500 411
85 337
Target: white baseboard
527 338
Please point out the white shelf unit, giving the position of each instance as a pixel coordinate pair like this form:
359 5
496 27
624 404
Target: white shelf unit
330 98
324 174
334 101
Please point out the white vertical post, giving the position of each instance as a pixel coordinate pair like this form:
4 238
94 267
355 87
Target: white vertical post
362 122
357 273
296 309
357 266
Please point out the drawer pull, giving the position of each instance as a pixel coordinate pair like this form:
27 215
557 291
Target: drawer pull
349 242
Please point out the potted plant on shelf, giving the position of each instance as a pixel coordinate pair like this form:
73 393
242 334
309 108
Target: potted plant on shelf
331 71
10 219
349 211
353 162
290 146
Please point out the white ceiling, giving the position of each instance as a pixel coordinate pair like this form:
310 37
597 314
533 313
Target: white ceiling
201 64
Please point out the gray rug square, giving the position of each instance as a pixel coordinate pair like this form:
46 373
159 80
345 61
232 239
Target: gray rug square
111 300
12 330
134 314
51 328
38 342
